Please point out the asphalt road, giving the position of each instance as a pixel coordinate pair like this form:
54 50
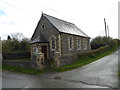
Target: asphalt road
99 74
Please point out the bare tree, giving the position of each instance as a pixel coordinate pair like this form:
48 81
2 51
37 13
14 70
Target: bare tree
18 36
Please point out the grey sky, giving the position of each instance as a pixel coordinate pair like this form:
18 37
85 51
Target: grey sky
23 15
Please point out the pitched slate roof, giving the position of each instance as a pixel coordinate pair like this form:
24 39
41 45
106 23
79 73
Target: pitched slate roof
39 39
64 26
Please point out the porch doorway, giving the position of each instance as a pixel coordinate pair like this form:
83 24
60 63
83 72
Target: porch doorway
45 51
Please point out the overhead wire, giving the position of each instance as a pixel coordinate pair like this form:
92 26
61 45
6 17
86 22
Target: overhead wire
11 5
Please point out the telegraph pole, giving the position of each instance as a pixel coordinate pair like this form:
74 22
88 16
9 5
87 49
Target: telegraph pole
108 30
105 27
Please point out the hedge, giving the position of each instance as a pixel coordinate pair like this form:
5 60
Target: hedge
95 52
12 56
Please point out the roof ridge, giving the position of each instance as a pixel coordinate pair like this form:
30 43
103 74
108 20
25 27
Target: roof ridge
57 18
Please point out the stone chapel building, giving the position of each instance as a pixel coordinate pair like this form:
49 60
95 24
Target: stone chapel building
58 40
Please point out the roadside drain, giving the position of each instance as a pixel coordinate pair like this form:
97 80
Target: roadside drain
58 78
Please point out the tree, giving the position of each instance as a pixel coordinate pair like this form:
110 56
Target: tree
101 41
16 46
8 38
18 36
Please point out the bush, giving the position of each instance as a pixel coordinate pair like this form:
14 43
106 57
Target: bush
13 56
116 42
13 45
14 49
100 41
93 53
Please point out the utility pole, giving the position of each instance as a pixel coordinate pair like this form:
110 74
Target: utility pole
108 30
105 27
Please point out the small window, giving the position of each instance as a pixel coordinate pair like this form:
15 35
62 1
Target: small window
35 50
78 44
52 44
43 26
85 44
70 42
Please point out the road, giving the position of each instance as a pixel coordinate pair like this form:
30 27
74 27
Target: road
99 74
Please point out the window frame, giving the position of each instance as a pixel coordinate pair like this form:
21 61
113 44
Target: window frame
35 50
53 38
85 43
78 44
70 43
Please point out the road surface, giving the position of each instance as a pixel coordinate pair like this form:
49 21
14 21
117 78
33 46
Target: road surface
99 74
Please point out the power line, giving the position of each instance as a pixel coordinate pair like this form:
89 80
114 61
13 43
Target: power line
16 7
39 4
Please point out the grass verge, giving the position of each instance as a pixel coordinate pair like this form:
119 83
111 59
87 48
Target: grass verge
83 61
119 74
23 70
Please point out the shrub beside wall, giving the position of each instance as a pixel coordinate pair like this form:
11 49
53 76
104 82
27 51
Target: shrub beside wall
95 52
12 56
100 41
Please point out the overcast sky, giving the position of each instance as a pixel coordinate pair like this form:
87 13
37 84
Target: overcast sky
23 15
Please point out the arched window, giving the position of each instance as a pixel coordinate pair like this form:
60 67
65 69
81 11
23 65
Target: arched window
85 43
43 26
78 44
70 43
53 44
35 50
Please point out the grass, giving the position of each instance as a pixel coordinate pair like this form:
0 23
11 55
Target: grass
83 61
119 74
23 70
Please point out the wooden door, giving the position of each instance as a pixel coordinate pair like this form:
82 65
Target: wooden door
44 50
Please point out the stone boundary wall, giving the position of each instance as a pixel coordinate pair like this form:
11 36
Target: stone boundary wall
23 64
65 59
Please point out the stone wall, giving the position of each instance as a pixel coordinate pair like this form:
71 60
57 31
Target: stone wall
23 64
68 59
65 45
64 59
